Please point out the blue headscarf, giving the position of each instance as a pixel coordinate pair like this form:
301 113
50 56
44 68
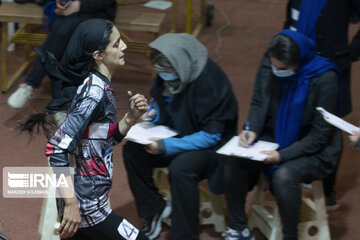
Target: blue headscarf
295 89
309 14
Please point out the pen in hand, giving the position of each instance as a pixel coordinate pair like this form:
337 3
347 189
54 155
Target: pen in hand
247 137
247 134
247 129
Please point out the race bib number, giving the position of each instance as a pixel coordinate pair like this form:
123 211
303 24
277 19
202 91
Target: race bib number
127 230
108 157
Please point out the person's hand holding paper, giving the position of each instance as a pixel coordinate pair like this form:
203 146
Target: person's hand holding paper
255 152
273 157
153 148
354 138
247 138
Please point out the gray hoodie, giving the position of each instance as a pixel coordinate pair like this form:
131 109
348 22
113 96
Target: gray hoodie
185 53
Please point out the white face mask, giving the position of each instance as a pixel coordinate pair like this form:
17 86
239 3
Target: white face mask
282 73
168 76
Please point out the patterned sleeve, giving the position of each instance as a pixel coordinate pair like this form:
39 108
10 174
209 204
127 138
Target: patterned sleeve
68 136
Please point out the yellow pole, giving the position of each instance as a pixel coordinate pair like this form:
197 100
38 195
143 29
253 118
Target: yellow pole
4 57
188 16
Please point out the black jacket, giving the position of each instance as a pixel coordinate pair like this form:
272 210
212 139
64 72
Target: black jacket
207 104
332 41
332 31
317 137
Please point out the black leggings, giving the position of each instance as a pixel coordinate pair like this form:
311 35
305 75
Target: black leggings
114 227
239 179
241 175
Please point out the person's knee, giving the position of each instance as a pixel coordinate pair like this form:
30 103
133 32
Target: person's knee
64 27
178 169
62 31
283 176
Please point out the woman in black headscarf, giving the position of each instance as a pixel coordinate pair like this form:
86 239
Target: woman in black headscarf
90 130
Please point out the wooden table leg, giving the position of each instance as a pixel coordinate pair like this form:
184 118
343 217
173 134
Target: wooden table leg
201 17
28 49
4 56
188 16
173 16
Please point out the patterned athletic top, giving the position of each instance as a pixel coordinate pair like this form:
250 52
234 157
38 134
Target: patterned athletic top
88 135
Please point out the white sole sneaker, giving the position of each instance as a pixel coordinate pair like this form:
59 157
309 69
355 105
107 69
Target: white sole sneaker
156 225
334 207
20 96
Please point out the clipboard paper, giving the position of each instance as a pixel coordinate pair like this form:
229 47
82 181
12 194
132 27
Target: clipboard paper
232 148
338 122
143 131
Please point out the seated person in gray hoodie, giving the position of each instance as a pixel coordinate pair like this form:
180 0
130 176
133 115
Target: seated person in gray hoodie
192 95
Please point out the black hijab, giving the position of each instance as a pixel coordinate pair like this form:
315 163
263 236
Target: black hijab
88 37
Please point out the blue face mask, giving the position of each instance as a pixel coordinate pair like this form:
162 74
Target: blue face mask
282 73
168 76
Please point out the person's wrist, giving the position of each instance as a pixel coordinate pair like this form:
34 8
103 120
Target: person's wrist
161 146
129 119
70 201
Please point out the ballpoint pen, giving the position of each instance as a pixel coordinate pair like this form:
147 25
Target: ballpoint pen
247 129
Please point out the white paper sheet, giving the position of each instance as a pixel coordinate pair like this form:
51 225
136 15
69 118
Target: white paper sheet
161 5
232 148
338 122
143 131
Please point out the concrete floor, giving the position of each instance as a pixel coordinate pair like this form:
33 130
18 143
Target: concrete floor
251 25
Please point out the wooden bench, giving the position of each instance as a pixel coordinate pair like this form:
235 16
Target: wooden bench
313 223
138 21
27 14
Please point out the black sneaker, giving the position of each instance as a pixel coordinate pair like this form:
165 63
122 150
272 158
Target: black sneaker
331 203
232 234
152 225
